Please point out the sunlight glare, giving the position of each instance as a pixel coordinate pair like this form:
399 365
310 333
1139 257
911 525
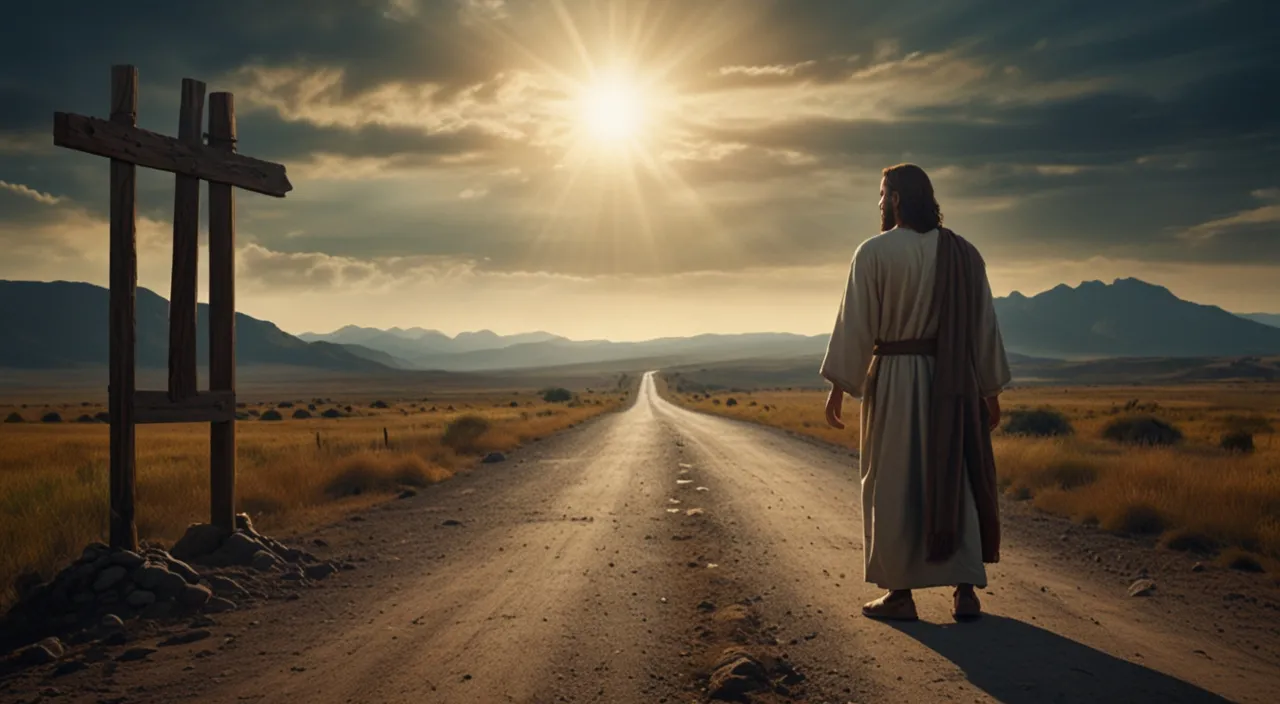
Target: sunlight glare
612 111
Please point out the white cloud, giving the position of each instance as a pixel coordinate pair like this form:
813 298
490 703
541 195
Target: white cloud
27 192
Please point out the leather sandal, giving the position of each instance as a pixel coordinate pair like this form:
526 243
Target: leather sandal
891 608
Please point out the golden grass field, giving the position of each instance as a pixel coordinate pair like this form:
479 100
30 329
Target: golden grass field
1194 495
54 476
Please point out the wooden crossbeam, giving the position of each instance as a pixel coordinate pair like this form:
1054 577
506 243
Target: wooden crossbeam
127 143
204 407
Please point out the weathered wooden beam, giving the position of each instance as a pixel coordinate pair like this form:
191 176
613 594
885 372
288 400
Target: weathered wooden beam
186 252
206 407
222 314
122 319
157 151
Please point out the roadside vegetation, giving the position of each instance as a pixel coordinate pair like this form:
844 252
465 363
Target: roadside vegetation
1195 467
300 463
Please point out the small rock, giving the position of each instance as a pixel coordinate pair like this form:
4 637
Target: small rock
264 561
244 523
111 622
188 573
706 606
320 543
494 457
292 576
408 493
171 586
1198 567
1142 587
194 596
199 540
39 654
320 571
158 610
109 578
451 522
192 636
149 575
26 583
225 586
127 559
93 551
116 638
69 667
140 598
132 654
217 605
239 549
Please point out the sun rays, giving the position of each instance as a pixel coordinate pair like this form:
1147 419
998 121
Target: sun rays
611 73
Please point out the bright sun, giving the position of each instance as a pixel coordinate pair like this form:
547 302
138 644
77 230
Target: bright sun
612 111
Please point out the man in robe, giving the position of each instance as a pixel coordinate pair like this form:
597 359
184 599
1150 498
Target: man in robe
916 340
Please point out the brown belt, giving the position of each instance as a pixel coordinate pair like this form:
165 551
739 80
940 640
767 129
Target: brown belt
899 348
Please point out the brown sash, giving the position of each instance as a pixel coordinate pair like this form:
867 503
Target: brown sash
896 348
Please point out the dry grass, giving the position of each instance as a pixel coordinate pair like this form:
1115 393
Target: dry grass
291 474
1195 495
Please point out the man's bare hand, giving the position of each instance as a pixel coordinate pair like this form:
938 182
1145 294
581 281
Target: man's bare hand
993 411
835 403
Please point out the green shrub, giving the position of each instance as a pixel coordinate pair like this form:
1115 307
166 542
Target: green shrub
301 413
1142 430
557 395
271 415
1238 441
51 417
464 432
1041 422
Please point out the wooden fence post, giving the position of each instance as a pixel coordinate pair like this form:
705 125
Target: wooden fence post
123 322
222 315
186 253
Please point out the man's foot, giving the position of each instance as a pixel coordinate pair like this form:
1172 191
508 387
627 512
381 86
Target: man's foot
894 606
967 607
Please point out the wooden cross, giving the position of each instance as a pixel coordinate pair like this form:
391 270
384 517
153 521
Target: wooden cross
191 160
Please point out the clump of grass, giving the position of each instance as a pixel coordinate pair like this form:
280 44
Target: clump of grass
463 434
1142 430
1241 560
301 413
332 413
1237 441
14 417
1041 422
557 395
373 473
51 417
271 415
1136 519
1187 540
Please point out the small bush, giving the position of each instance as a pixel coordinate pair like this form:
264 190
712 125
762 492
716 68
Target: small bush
731 402
285 404
51 417
1238 559
271 415
13 417
1238 441
557 395
1142 430
379 404
86 418
464 432
1041 423
1188 541
301 413
363 474
332 413
1136 519
311 406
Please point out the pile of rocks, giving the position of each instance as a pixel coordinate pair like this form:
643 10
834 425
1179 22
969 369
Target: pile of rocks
194 577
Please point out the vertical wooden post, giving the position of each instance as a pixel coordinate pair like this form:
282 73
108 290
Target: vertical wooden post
186 253
222 314
123 330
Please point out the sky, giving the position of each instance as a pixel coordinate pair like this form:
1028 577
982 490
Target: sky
632 169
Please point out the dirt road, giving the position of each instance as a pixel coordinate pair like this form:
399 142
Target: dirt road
614 563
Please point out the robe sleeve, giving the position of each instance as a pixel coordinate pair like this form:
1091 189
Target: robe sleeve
853 337
990 360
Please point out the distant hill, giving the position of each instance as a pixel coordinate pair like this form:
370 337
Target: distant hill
1272 319
60 324
415 344
1128 318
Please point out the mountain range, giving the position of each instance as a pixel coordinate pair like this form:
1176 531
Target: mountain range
62 324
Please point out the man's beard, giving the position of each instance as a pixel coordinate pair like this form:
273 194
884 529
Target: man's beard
887 221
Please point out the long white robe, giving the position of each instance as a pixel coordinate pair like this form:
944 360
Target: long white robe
888 298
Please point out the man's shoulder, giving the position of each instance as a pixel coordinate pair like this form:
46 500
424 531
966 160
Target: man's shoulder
874 243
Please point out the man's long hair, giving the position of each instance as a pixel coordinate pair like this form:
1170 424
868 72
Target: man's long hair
916 203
